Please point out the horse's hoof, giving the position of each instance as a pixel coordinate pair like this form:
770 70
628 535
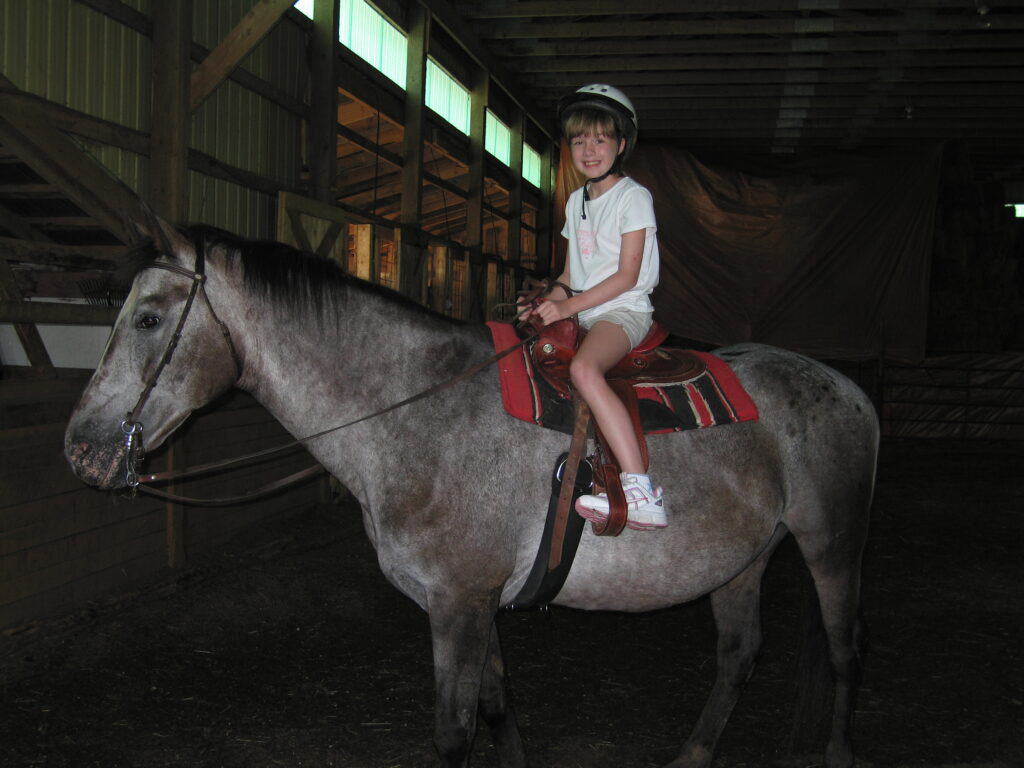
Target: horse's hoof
693 757
839 756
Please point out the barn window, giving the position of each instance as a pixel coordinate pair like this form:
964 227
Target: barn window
498 138
531 165
368 34
446 96
1018 209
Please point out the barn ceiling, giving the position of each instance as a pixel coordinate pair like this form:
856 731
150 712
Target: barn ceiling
778 77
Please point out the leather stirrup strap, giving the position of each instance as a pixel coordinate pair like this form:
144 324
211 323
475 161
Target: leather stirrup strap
614 524
572 465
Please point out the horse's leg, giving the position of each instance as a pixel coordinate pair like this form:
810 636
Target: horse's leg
736 607
834 562
460 630
496 710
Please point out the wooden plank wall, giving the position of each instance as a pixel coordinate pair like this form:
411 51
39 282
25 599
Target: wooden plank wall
63 544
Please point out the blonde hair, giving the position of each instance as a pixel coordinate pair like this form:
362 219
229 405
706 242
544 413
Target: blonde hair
590 121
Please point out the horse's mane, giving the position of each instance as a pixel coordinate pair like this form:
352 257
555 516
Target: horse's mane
298 281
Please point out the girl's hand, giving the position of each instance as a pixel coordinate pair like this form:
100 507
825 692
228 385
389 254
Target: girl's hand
552 310
523 311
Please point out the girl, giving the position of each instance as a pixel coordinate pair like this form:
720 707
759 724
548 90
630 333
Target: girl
612 267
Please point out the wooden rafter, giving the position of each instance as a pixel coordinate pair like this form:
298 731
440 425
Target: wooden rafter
60 161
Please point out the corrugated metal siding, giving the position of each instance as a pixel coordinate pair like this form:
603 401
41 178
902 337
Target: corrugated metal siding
241 128
108 66
39 27
230 206
74 56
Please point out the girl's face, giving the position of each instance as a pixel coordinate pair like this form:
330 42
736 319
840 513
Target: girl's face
594 153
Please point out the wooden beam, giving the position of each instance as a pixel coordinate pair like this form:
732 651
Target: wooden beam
782 62
513 246
19 226
478 99
76 257
545 213
983 40
27 333
322 157
680 26
411 258
18 311
239 42
172 36
169 160
501 9
63 164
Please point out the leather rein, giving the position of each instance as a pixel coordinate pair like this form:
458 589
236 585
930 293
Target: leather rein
131 427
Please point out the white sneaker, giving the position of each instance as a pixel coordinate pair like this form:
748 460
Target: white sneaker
645 506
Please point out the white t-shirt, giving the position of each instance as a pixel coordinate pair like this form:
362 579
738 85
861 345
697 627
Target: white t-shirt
595 242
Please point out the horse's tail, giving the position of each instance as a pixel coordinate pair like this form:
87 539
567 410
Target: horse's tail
814 680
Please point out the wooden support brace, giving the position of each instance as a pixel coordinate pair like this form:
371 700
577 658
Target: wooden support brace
238 43
28 335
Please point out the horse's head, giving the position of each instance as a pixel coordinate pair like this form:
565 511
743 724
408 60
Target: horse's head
141 385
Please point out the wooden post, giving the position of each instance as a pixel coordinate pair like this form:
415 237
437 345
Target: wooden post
545 213
513 247
362 266
438 288
475 199
172 41
411 256
27 333
323 107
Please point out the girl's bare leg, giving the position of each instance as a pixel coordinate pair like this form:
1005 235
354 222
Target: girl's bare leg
604 345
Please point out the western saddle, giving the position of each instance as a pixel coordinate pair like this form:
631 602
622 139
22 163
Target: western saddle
647 363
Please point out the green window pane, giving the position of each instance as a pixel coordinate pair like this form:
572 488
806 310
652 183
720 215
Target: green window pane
372 37
447 97
305 6
531 165
498 138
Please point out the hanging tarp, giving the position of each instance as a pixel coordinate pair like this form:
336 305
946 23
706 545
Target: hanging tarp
829 256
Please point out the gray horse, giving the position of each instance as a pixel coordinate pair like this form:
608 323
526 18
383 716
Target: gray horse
453 490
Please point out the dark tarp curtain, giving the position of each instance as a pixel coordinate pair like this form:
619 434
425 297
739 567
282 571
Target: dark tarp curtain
826 256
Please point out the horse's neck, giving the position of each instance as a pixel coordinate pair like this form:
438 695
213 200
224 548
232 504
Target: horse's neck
312 375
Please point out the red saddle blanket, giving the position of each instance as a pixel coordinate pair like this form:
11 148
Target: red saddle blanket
711 398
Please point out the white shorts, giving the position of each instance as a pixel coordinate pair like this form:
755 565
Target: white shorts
635 324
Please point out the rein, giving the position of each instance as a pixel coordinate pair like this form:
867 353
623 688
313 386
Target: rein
132 428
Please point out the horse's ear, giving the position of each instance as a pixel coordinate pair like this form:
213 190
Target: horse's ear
165 236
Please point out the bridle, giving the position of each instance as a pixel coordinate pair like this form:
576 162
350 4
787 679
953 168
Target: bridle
131 427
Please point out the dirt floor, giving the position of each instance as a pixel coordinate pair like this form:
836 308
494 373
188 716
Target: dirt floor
288 648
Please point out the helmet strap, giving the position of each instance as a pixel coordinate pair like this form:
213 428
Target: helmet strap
588 182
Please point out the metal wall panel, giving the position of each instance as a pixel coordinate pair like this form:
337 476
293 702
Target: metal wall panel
230 206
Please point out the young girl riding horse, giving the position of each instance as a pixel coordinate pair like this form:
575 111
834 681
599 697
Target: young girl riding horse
612 267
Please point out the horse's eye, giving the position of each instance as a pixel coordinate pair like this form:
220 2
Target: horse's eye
148 322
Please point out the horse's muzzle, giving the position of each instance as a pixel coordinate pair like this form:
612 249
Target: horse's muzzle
99 466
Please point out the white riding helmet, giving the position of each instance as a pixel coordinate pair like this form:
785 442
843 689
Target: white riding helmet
604 98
